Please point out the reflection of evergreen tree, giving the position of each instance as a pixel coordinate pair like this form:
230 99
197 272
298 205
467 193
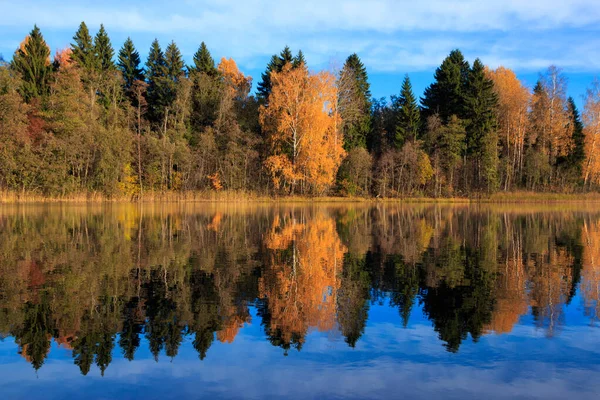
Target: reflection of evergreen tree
570 239
205 308
129 338
352 299
464 308
36 332
83 352
162 321
406 288
105 345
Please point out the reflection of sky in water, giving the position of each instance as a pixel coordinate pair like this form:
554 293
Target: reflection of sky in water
387 362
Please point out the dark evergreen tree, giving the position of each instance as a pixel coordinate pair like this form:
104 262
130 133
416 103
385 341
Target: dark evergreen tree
355 102
445 96
173 74
481 104
203 61
129 64
104 50
173 62
32 62
82 50
156 72
299 59
206 92
577 154
275 65
408 118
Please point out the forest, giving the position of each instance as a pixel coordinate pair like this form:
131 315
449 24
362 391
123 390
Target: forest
89 120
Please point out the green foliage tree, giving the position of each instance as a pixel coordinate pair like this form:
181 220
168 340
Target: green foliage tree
156 73
576 156
129 64
104 50
354 102
446 145
83 51
203 62
408 120
32 62
445 96
481 103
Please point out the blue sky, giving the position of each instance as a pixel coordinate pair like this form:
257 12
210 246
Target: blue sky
393 37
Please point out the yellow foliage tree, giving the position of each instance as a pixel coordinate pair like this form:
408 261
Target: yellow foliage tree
513 105
591 119
303 127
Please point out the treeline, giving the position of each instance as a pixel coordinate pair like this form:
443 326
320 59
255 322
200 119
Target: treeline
88 120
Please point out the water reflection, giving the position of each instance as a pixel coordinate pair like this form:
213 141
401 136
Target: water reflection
100 281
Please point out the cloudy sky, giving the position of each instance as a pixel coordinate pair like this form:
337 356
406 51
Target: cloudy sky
393 37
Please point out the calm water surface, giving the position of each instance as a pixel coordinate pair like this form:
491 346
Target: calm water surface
229 301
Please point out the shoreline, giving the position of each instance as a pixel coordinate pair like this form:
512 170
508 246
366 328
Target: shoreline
244 197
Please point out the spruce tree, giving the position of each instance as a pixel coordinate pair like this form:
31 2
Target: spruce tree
408 119
173 62
355 102
203 61
104 50
481 103
275 65
445 96
173 73
82 50
129 64
577 154
155 74
299 59
32 61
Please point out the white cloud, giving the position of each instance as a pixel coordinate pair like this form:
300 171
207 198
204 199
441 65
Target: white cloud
391 35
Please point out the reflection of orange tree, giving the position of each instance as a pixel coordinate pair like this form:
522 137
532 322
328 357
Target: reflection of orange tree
510 288
550 274
301 277
590 283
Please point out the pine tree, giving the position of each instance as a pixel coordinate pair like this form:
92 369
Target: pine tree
445 96
129 64
354 102
203 61
481 103
299 59
275 65
32 61
173 62
173 73
408 120
104 50
577 154
156 72
83 51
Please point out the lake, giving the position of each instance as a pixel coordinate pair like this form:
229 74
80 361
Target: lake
259 301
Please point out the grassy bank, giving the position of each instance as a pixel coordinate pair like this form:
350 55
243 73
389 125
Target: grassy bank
245 197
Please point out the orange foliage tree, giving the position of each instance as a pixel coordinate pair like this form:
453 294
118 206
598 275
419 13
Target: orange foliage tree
303 127
556 135
236 83
591 118
513 104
